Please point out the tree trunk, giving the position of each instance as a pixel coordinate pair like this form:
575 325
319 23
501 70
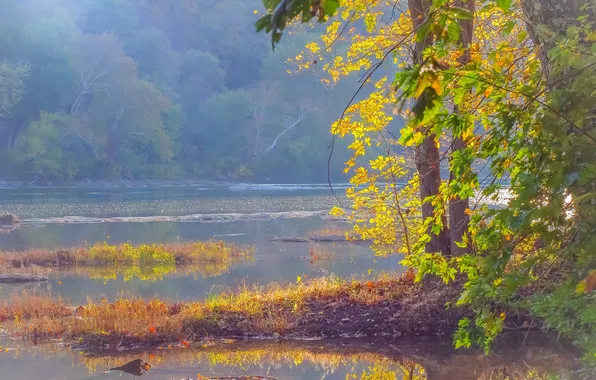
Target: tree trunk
459 221
427 154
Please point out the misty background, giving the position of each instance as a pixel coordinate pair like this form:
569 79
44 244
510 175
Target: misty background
159 89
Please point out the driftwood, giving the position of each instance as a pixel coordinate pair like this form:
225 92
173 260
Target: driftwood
320 239
21 278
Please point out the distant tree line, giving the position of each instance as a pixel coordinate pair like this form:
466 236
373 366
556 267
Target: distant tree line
143 89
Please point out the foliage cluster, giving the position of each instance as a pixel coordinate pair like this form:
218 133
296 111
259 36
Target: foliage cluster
499 94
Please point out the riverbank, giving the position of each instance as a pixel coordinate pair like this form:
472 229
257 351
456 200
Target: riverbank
390 306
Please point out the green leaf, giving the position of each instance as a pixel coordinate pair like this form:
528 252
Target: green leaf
330 6
508 27
263 23
461 13
270 4
504 4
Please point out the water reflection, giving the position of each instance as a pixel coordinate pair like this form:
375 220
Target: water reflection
272 261
300 360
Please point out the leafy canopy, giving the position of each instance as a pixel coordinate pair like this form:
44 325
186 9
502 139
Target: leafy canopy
524 113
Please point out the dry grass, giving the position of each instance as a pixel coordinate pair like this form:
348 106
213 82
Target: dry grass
269 310
217 253
318 253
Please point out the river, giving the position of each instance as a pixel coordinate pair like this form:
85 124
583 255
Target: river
242 214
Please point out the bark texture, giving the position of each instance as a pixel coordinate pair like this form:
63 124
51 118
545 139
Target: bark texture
459 220
427 153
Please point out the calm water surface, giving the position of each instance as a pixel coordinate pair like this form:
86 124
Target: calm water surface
297 360
64 217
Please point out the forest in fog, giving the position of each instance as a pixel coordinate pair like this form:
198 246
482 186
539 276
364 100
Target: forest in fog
158 89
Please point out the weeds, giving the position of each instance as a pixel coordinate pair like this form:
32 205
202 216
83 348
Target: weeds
105 254
145 261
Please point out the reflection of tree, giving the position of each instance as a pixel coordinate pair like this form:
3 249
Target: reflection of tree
366 360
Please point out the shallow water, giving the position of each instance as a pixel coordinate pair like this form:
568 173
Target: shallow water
297 360
279 214
66 217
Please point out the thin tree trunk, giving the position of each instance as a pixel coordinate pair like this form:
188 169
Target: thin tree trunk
459 221
427 154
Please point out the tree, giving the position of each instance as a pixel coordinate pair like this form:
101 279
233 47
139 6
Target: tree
36 35
482 98
100 61
12 86
44 147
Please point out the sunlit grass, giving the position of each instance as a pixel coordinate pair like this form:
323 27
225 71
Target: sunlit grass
105 254
265 310
145 261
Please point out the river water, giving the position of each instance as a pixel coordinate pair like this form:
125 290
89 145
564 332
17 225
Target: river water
243 214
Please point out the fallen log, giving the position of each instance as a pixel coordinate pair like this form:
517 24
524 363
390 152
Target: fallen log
321 239
21 278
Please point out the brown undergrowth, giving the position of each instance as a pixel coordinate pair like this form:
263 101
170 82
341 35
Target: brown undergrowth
323 307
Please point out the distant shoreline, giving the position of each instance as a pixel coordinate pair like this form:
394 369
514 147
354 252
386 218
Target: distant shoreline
118 183
232 185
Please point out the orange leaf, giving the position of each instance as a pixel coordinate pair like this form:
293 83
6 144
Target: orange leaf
590 282
152 329
184 343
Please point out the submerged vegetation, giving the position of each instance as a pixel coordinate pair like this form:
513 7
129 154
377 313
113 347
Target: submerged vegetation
144 261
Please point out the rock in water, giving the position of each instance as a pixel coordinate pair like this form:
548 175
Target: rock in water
21 278
137 367
9 220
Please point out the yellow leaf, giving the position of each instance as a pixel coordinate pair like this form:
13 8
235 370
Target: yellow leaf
436 85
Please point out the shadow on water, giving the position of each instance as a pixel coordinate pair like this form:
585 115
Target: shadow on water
537 358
